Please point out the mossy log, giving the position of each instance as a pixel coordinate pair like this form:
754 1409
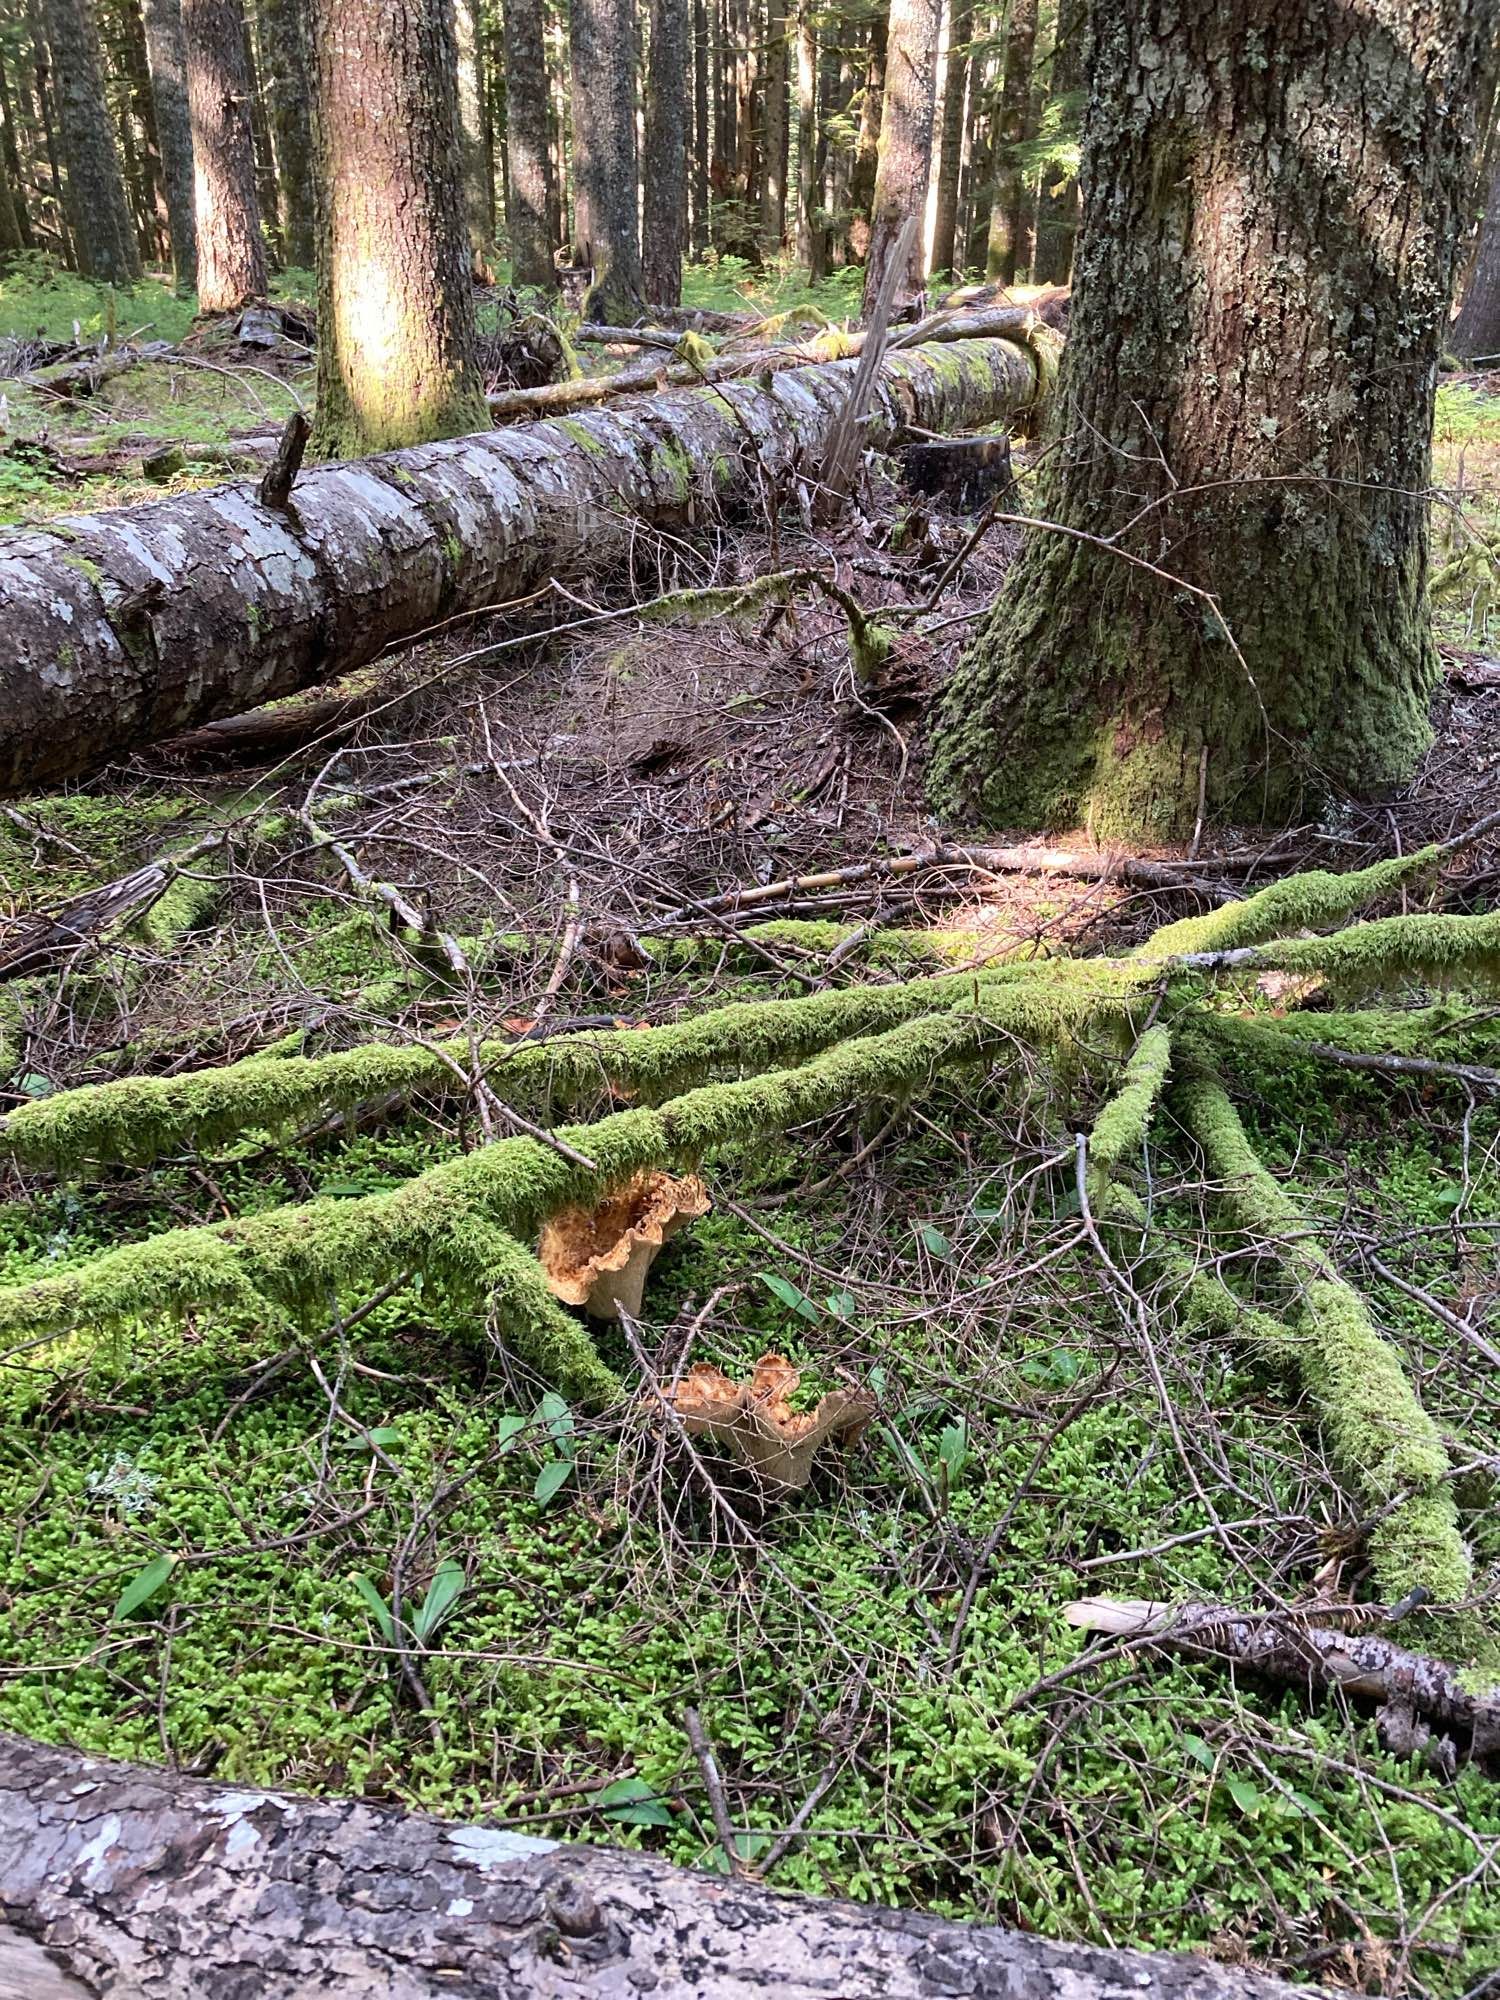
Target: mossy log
127 1880
121 628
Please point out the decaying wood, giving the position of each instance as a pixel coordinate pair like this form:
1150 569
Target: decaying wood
644 377
129 626
1304 1650
139 1881
50 938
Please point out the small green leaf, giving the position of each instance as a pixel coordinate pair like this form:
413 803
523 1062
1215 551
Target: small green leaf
632 1802
343 1190
442 1593
558 1418
935 1242
1196 1747
387 1434
1244 1794
377 1607
508 1429
34 1084
953 1447
840 1304
143 1587
551 1479
788 1293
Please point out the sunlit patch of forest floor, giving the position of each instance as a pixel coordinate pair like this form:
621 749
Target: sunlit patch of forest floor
888 1642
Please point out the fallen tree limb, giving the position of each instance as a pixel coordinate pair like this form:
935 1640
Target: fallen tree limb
121 628
136 1881
1016 323
1294 1648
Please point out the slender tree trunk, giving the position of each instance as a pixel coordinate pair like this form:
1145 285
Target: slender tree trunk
702 131
12 243
774 88
136 67
665 207
1008 208
231 254
604 157
1279 648
983 115
131 624
747 133
99 219
289 109
41 72
1475 334
396 334
1058 212
267 195
905 144
529 203
812 233
10 153
861 195
479 196
950 155
162 21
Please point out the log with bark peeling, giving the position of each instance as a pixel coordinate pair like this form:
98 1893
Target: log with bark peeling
119 1880
121 628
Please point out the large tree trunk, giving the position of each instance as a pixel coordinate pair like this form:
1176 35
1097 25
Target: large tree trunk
231 254
664 221
129 626
604 159
1262 292
162 20
289 102
121 1879
951 146
98 209
396 336
528 206
1475 334
905 161
1007 254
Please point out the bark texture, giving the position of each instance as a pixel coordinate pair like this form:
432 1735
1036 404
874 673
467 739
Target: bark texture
103 234
162 21
951 144
478 190
1009 247
1262 291
604 157
905 157
136 1880
396 336
812 150
132 625
1476 332
231 253
289 103
528 155
664 216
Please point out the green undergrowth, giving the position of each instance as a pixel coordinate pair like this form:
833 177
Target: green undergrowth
1246 1821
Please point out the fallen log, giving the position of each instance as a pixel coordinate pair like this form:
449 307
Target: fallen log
993 323
121 628
1305 1650
119 1879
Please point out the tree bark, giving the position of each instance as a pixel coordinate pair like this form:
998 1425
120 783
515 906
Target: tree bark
664 223
812 232
866 159
528 155
604 157
1262 292
267 194
774 96
478 190
141 111
135 624
99 220
905 161
702 131
231 254
135 1880
1057 212
396 336
950 153
1475 334
10 151
1006 257
289 106
162 21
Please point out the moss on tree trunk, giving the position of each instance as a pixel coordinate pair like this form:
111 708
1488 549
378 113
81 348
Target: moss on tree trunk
1262 286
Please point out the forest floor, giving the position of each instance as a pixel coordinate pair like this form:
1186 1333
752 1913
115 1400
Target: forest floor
866 1643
